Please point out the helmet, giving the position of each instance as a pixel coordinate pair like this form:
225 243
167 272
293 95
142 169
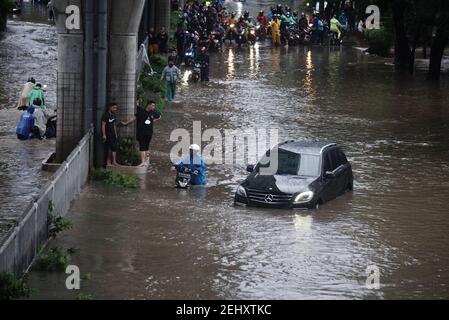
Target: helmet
261 12
195 147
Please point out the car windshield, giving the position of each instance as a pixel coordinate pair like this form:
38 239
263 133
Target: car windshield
290 163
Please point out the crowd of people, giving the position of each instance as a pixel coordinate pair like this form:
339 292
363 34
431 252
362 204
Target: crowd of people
37 121
209 25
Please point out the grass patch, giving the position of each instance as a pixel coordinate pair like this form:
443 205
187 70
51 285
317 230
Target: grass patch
12 287
84 296
115 178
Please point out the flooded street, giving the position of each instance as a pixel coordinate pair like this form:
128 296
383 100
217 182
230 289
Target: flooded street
28 49
161 243
158 242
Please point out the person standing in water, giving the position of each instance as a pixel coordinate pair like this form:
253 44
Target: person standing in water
109 134
145 119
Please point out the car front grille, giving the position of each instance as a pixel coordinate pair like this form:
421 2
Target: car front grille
263 197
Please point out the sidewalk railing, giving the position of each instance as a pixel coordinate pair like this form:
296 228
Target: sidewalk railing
22 243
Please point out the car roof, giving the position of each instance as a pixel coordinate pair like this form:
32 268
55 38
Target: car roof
306 147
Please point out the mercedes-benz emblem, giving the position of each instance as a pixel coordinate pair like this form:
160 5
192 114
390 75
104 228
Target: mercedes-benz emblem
269 198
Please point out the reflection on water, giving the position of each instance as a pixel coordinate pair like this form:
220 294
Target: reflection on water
230 63
308 79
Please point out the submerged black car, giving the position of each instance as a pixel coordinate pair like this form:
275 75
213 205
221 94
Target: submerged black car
297 175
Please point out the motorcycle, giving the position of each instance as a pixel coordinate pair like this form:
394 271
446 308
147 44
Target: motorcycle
240 36
305 36
230 34
261 32
252 37
184 177
216 43
196 72
293 36
190 56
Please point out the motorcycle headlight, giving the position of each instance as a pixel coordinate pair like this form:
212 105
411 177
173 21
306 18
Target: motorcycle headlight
253 32
241 191
304 197
232 25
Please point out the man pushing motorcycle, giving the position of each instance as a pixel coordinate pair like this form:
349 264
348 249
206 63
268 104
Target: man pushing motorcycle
194 165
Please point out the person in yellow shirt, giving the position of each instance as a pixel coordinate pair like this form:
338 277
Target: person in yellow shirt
275 25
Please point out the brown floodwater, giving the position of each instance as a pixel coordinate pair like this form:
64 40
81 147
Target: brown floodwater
158 242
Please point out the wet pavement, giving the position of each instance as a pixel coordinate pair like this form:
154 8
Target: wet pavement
158 242
27 49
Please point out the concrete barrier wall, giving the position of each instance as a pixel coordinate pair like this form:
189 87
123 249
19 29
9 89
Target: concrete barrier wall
21 245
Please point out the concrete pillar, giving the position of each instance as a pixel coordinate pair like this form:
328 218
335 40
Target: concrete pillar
124 26
162 15
152 11
70 84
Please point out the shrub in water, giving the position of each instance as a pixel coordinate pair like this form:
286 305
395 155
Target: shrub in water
115 178
380 42
55 260
12 287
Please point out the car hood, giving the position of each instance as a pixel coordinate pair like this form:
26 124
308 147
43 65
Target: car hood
279 183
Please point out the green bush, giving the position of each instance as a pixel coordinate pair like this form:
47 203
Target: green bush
127 154
54 260
55 222
151 87
12 287
380 42
115 179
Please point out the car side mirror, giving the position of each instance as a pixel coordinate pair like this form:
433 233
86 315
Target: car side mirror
250 168
329 175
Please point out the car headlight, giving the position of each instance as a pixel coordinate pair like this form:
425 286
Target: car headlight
241 191
304 197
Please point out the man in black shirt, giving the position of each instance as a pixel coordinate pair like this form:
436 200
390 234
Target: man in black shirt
145 119
109 133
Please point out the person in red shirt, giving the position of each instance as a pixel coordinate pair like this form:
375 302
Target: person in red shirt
262 19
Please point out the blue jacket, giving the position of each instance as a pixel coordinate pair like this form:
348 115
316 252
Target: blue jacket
26 124
195 164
